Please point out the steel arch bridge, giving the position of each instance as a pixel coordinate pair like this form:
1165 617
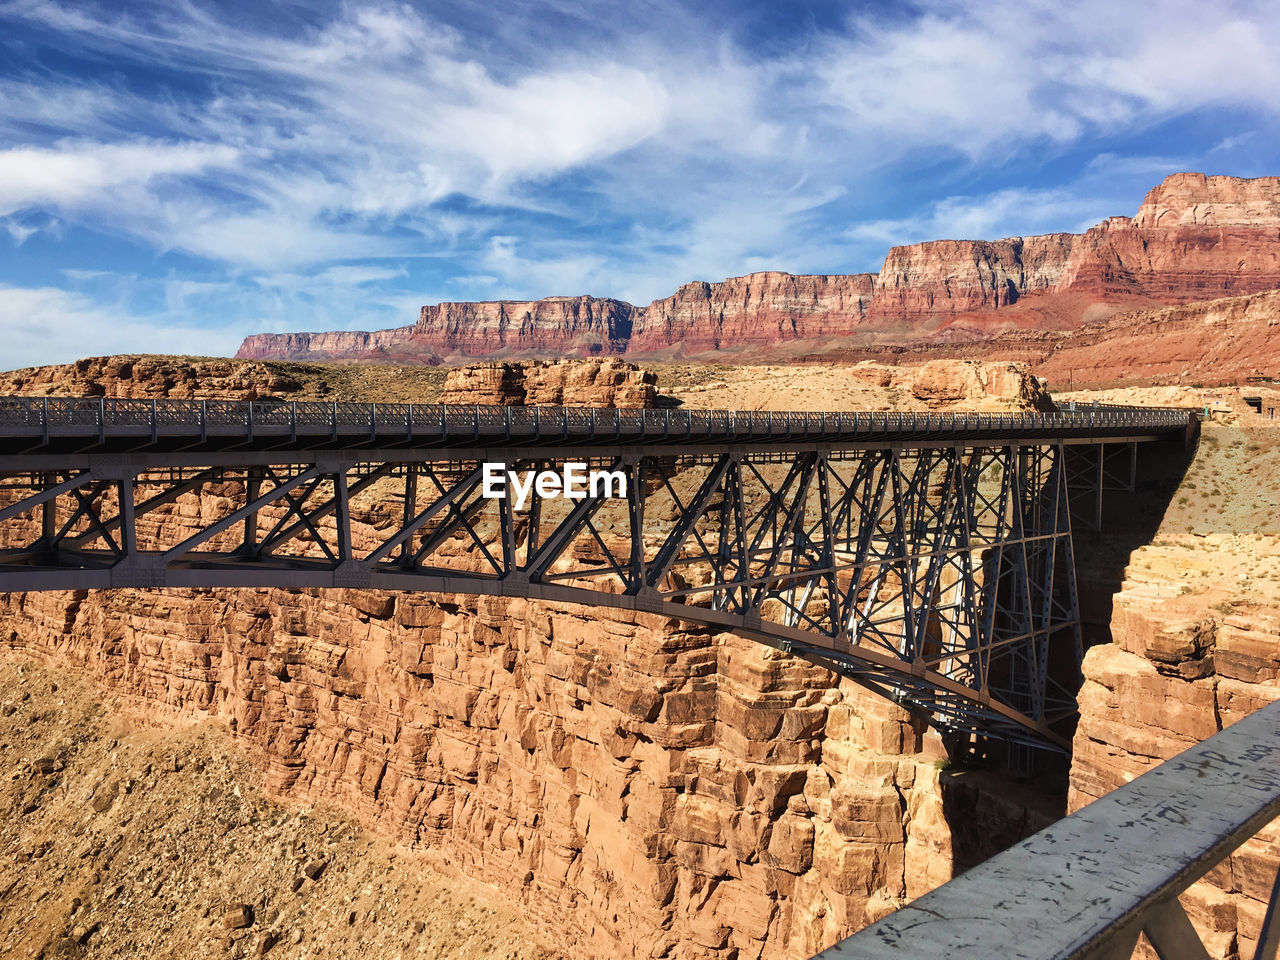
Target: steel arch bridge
928 557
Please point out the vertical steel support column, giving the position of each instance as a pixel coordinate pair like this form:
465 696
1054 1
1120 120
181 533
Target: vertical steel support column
1063 530
252 490
49 514
507 532
733 485
635 522
342 508
1023 506
896 554
128 529
410 510
1097 512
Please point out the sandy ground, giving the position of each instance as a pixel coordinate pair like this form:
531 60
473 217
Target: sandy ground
122 840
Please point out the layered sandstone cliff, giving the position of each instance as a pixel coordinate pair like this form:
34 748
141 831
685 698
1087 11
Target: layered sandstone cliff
1194 238
928 281
641 789
582 383
398 345
1213 341
1192 199
145 376
755 310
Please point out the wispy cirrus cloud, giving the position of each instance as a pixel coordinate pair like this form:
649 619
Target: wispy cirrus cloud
71 176
329 165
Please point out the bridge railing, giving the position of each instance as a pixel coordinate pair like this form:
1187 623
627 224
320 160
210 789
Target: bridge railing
1086 887
78 417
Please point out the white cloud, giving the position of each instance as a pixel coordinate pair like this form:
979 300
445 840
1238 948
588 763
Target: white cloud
20 233
619 158
343 276
72 174
40 325
1014 212
988 79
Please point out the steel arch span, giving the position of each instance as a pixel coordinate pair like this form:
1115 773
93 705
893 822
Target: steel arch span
935 570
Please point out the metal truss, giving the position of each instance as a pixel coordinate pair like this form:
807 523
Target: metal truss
1096 470
939 576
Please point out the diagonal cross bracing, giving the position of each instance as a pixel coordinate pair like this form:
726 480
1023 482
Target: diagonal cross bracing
929 559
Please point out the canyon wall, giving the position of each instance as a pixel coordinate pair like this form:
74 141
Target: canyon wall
555 326
758 309
641 788
1194 238
1195 646
397 345
1214 341
1180 669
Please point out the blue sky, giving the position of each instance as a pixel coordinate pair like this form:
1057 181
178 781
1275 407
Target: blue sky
178 175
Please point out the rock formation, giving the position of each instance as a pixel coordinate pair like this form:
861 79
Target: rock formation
398 345
1192 199
1194 646
1194 238
1180 669
755 310
929 281
1213 341
584 383
142 376
554 325
149 376
962 384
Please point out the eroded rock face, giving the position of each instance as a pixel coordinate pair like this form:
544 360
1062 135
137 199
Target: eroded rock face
960 384
1194 238
397 345
141 376
556 325
582 383
945 277
1212 341
758 309
642 788
1182 666
1192 199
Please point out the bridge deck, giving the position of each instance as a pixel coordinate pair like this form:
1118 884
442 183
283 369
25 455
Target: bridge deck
926 556
60 426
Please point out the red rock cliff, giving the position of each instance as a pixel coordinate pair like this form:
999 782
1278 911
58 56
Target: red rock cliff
1194 238
758 309
926 281
555 325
